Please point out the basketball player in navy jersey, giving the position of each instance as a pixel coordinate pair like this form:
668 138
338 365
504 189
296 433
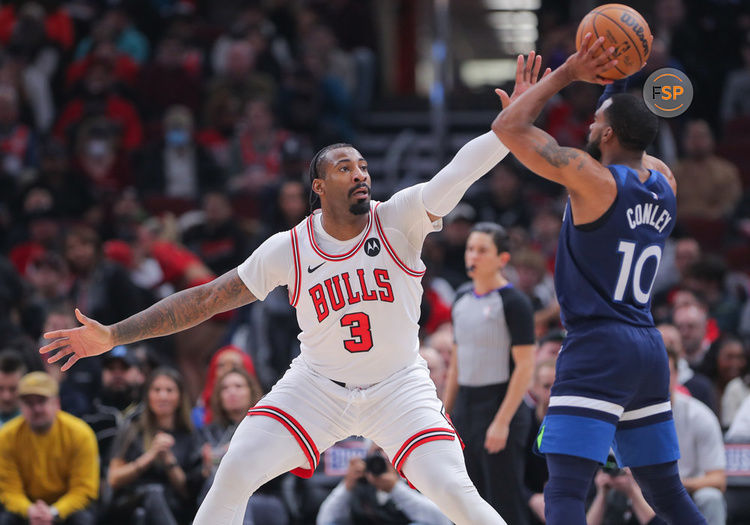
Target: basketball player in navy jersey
612 381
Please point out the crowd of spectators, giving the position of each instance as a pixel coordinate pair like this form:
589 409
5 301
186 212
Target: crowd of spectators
149 146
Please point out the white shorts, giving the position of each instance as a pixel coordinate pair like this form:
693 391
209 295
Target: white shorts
398 414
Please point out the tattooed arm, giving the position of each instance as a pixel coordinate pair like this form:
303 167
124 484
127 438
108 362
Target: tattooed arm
172 314
588 182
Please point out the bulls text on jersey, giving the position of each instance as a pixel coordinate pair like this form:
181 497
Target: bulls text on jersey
336 292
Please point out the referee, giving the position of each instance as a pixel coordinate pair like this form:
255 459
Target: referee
491 369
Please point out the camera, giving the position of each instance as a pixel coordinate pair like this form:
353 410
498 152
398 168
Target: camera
611 468
375 464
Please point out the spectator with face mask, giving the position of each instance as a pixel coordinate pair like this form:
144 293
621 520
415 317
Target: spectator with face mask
49 465
176 167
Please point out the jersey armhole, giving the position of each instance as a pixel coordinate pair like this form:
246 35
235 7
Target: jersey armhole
591 226
389 248
294 293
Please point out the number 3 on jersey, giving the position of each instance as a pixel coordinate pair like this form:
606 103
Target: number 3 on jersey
359 327
627 249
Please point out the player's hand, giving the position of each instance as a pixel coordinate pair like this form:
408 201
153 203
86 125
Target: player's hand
355 472
589 62
527 74
496 437
93 338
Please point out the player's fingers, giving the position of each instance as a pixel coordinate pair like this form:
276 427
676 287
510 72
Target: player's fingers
519 69
54 345
605 57
82 318
537 68
66 350
56 334
529 66
594 48
584 44
547 72
70 362
504 98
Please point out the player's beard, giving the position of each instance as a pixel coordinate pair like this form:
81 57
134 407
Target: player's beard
360 207
592 148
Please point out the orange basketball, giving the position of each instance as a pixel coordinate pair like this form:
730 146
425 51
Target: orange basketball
622 28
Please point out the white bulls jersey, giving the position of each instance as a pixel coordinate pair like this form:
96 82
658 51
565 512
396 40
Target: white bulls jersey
358 301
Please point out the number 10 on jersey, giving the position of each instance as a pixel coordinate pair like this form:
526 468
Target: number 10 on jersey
628 251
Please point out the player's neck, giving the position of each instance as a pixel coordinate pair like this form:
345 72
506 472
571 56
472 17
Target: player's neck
343 226
633 160
485 284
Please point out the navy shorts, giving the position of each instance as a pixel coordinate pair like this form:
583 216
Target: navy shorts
611 390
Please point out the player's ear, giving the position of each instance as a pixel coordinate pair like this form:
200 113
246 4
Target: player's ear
608 134
317 186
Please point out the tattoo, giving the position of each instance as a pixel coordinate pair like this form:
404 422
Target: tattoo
556 155
184 309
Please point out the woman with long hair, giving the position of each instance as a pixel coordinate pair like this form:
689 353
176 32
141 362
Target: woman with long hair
234 392
156 463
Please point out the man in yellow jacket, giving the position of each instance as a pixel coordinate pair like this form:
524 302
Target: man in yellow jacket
49 462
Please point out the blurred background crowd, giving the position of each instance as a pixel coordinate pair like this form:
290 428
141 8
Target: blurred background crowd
147 146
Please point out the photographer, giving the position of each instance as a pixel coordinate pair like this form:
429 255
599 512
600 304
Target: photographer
372 493
618 499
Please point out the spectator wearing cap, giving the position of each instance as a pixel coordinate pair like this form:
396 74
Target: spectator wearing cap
118 397
122 380
12 369
49 465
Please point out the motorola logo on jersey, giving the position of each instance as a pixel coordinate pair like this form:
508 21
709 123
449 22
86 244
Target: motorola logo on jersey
336 292
372 246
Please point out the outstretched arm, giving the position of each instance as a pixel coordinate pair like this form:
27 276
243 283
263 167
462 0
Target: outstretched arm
441 194
172 314
536 149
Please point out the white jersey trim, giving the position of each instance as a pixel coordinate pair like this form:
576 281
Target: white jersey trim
586 402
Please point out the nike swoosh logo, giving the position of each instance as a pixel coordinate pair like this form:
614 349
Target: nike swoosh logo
311 270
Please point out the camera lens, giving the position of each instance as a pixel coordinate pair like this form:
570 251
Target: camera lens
375 464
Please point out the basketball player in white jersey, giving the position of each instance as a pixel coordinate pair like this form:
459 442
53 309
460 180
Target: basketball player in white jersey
353 272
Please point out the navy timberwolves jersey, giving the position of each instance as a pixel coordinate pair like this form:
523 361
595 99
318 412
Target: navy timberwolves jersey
606 269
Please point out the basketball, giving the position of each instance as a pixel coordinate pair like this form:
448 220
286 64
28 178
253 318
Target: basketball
622 28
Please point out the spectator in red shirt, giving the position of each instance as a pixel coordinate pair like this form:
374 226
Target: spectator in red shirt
256 149
125 69
98 99
166 81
